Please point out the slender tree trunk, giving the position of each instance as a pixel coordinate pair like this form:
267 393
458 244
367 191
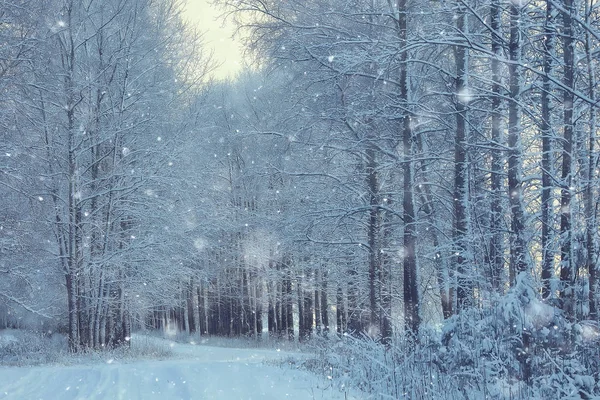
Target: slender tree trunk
318 322
71 279
496 254
201 310
340 313
547 170
73 283
411 289
307 307
464 289
258 306
324 305
288 300
567 273
385 277
301 316
195 287
186 310
372 234
589 209
273 303
515 189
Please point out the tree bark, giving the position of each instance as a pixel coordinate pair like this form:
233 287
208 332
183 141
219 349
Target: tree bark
515 190
547 170
411 290
567 273
496 253
324 305
589 192
464 289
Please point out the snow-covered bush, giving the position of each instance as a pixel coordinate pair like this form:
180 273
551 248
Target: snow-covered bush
517 347
395 372
521 347
26 348
21 347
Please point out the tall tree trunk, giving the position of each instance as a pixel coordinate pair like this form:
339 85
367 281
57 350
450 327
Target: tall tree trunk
258 306
288 300
317 291
340 313
202 314
71 279
547 172
464 289
301 316
385 276
411 289
307 307
567 273
589 209
518 261
324 305
73 283
372 235
186 309
496 253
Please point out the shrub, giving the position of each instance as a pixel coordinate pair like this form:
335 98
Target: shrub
519 347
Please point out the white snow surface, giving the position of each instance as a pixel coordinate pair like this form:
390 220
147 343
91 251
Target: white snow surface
196 372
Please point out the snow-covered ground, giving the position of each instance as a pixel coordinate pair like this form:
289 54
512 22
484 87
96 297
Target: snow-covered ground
196 372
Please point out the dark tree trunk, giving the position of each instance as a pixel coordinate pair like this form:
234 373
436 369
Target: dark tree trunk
567 273
71 279
411 289
546 128
385 278
190 307
517 242
202 314
372 234
324 305
590 212
308 308
318 324
340 312
287 302
464 289
258 314
496 253
301 316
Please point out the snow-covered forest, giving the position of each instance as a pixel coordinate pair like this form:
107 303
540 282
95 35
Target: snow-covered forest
408 187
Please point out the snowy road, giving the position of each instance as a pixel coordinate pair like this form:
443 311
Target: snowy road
198 372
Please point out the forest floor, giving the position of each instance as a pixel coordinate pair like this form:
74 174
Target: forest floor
191 371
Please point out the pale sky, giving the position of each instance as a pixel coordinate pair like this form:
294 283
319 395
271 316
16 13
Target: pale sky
227 52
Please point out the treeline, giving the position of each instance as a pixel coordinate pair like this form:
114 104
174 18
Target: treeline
429 155
387 166
413 159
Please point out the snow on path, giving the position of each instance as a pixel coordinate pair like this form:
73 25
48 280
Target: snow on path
198 372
